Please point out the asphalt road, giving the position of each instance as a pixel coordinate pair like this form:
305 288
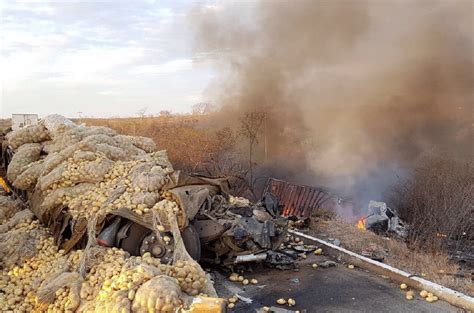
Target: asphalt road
335 289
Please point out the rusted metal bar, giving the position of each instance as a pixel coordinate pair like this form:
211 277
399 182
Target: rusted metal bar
294 204
299 199
299 204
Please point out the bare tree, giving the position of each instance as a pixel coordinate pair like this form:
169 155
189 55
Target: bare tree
250 126
142 112
165 113
201 108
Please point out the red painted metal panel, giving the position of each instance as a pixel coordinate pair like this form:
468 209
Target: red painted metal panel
297 200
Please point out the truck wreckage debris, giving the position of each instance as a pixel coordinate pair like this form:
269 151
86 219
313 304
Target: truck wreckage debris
106 224
216 227
94 189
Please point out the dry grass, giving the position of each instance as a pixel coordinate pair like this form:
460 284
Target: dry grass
185 138
433 266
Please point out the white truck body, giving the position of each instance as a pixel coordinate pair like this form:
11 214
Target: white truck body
22 120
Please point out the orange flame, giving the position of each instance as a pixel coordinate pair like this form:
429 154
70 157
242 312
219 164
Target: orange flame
361 223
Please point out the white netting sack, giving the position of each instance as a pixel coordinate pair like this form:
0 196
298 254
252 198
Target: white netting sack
99 138
112 152
56 158
59 196
30 134
9 207
149 199
17 246
47 292
148 177
28 178
53 121
53 177
26 154
159 158
144 143
160 294
63 137
125 143
191 277
18 238
97 130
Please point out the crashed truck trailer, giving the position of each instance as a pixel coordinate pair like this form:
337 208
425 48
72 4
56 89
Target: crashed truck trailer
298 200
217 230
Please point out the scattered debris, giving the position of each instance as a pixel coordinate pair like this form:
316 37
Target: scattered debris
244 299
374 252
295 280
383 220
327 264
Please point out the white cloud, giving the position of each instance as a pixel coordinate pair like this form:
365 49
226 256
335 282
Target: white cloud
78 65
97 57
174 66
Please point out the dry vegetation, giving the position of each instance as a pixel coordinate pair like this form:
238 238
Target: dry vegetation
437 201
434 266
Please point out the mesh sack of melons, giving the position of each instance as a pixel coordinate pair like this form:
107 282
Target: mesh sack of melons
144 143
149 177
19 238
73 172
30 134
60 291
55 159
26 154
64 196
112 152
97 130
166 212
160 294
125 143
25 280
9 207
28 178
189 274
63 137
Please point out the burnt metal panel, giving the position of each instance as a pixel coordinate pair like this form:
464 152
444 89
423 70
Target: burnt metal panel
297 200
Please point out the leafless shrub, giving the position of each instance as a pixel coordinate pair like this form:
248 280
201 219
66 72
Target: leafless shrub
437 201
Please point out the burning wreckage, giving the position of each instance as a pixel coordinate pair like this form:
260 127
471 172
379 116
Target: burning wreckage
383 221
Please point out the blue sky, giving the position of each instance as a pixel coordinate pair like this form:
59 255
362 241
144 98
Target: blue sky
101 58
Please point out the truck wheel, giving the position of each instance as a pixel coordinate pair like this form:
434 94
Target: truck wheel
192 242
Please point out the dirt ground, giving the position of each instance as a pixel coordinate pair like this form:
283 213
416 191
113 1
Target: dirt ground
335 289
